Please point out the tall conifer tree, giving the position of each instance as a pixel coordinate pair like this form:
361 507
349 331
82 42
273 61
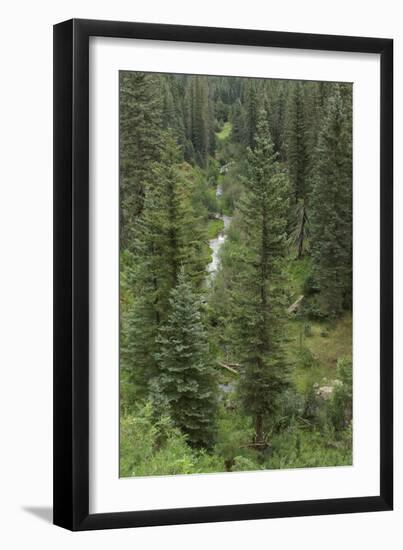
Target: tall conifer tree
168 235
297 156
298 165
331 206
258 295
140 144
276 103
186 382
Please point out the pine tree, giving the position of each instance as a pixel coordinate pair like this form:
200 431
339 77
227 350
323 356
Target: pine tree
211 126
250 111
299 235
168 235
186 382
331 206
184 237
297 156
200 120
258 295
244 112
237 122
275 106
314 111
297 148
140 143
173 117
138 344
150 287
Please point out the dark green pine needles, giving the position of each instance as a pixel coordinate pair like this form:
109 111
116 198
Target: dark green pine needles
186 381
140 144
165 236
258 297
331 207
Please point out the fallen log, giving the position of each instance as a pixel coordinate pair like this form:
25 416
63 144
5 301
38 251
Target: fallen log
296 305
229 367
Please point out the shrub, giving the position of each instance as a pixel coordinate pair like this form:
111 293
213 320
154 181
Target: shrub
150 446
305 358
242 464
234 435
302 448
341 401
310 286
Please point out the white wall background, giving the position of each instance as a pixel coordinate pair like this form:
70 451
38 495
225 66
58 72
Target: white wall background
26 274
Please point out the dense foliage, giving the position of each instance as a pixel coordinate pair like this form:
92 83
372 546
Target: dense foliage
257 295
243 363
186 388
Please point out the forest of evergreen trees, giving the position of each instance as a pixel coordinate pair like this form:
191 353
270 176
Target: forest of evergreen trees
247 365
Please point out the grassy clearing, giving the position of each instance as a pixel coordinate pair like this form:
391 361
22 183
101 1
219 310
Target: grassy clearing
331 341
225 132
324 345
314 347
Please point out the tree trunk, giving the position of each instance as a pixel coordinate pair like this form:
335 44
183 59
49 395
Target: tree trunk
259 429
301 235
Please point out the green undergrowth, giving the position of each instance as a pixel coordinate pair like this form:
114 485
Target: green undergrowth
214 228
225 132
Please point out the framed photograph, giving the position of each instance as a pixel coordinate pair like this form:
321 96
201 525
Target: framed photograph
223 320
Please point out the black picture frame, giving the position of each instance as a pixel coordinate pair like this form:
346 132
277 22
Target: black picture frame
71 274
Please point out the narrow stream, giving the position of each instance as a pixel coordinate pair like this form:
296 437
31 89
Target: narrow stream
216 244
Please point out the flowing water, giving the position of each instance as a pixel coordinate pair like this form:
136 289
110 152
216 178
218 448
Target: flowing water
216 244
